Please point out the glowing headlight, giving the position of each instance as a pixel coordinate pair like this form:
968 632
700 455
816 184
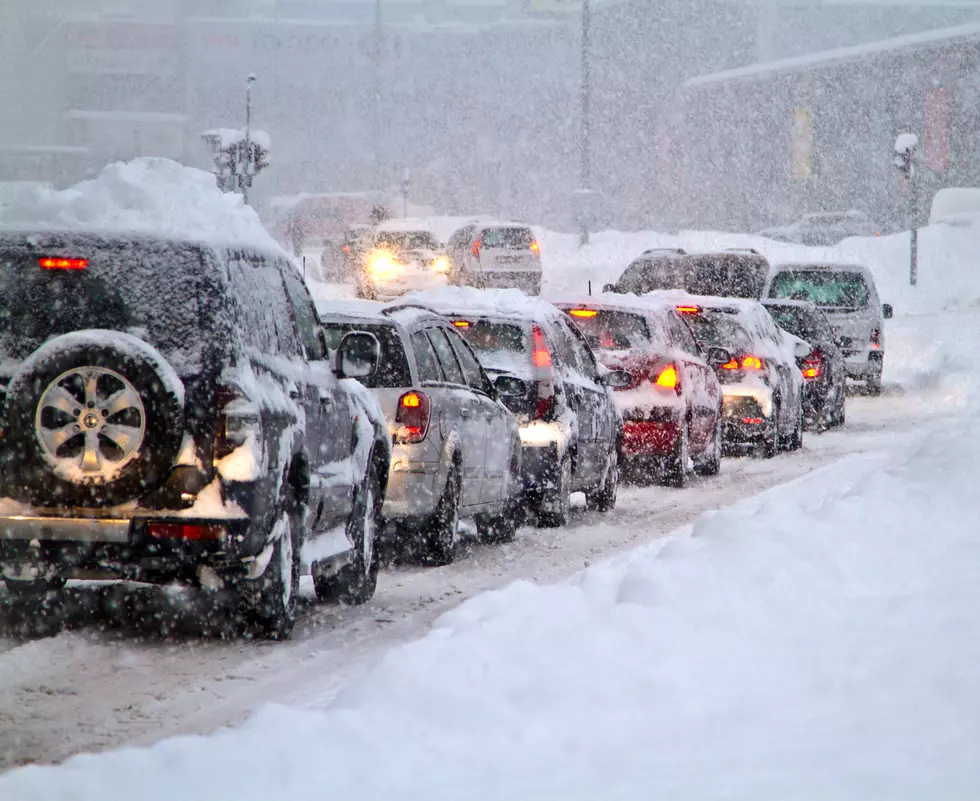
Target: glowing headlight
382 265
440 264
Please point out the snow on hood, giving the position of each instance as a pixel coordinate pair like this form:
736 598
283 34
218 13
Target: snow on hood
145 195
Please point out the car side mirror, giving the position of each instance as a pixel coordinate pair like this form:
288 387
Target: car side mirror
617 379
887 311
801 349
608 287
718 356
357 355
509 386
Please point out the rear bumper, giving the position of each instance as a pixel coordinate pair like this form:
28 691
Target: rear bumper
746 417
527 280
863 364
540 467
414 490
650 437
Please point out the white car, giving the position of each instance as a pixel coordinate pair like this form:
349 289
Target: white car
405 256
496 255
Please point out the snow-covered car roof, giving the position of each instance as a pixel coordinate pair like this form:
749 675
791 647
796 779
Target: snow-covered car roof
346 307
499 303
405 225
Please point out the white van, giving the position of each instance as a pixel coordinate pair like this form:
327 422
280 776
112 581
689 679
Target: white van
846 293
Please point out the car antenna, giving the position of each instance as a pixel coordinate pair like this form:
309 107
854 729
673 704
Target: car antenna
304 268
590 289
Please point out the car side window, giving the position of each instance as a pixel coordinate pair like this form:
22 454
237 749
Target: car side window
681 336
425 357
446 356
299 299
262 298
584 360
472 372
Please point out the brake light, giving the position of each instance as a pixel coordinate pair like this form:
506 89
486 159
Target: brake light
876 339
667 378
346 248
238 419
461 323
412 417
50 263
689 309
813 366
730 365
535 248
542 356
476 248
583 312
753 421
751 363
546 399
186 531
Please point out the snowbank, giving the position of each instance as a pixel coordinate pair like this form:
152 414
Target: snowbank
818 641
148 195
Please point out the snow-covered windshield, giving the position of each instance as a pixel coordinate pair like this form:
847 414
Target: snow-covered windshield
509 238
822 287
721 329
612 330
393 369
151 288
406 240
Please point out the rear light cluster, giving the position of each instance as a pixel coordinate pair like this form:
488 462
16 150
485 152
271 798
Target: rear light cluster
238 419
57 263
541 356
876 339
813 365
476 248
536 248
747 363
669 379
197 532
412 418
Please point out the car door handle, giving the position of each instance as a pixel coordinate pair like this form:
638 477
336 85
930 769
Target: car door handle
326 399
465 411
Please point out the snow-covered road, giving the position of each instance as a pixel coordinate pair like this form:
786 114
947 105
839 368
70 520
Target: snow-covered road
100 686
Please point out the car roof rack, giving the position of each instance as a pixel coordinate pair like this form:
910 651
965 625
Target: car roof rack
743 250
389 310
677 251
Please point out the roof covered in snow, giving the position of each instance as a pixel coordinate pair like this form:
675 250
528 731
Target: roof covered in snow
510 303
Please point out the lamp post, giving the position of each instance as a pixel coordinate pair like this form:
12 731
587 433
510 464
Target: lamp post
248 165
586 130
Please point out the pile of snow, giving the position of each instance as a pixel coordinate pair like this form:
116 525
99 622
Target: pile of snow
146 195
818 641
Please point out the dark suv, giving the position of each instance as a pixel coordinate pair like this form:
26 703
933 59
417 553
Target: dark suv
167 413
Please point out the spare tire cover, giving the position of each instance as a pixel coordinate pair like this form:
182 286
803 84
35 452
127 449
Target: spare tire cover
92 418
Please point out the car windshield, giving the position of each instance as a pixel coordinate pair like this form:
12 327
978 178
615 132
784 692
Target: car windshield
829 288
727 276
393 369
508 238
149 289
719 329
611 330
406 240
802 323
647 275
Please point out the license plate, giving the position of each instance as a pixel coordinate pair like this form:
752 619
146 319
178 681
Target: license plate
508 259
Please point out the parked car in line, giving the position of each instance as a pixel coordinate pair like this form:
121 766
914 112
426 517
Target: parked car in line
730 273
570 428
406 255
169 414
847 294
824 376
762 384
457 452
672 407
824 228
496 254
956 206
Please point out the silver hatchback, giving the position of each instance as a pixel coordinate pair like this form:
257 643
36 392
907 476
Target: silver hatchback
456 448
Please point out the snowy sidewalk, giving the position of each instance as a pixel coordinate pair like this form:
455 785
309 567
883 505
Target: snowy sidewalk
820 641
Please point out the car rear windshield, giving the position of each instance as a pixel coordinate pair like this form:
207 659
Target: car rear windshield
501 347
393 370
406 240
613 330
150 289
727 276
822 287
509 238
719 329
802 323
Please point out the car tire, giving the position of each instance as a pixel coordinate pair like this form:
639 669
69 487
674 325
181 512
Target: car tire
124 367
270 600
603 499
796 438
558 500
355 583
771 446
675 469
711 464
35 588
439 532
873 385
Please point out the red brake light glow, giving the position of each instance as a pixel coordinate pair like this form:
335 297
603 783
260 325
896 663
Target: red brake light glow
346 248
753 421
542 356
689 309
535 247
731 365
667 377
461 323
476 248
813 366
751 363
583 312
412 417
876 339
411 400
53 263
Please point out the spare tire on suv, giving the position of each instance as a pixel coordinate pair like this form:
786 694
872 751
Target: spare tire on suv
95 418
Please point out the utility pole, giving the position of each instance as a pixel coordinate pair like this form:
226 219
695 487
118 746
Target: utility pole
248 136
586 131
376 55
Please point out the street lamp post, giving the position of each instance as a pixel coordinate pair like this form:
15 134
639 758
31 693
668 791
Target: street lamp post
586 122
376 105
248 135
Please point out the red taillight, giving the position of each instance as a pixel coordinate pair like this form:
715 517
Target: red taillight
876 339
753 421
668 378
813 365
752 363
689 309
542 356
412 417
583 312
476 248
186 531
50 263
535 248
730 365
346 248
546 399
461 323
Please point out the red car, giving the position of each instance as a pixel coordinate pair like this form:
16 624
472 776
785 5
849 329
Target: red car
672 407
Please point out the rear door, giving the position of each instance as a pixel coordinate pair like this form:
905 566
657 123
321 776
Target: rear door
470 414
702 386
509 248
